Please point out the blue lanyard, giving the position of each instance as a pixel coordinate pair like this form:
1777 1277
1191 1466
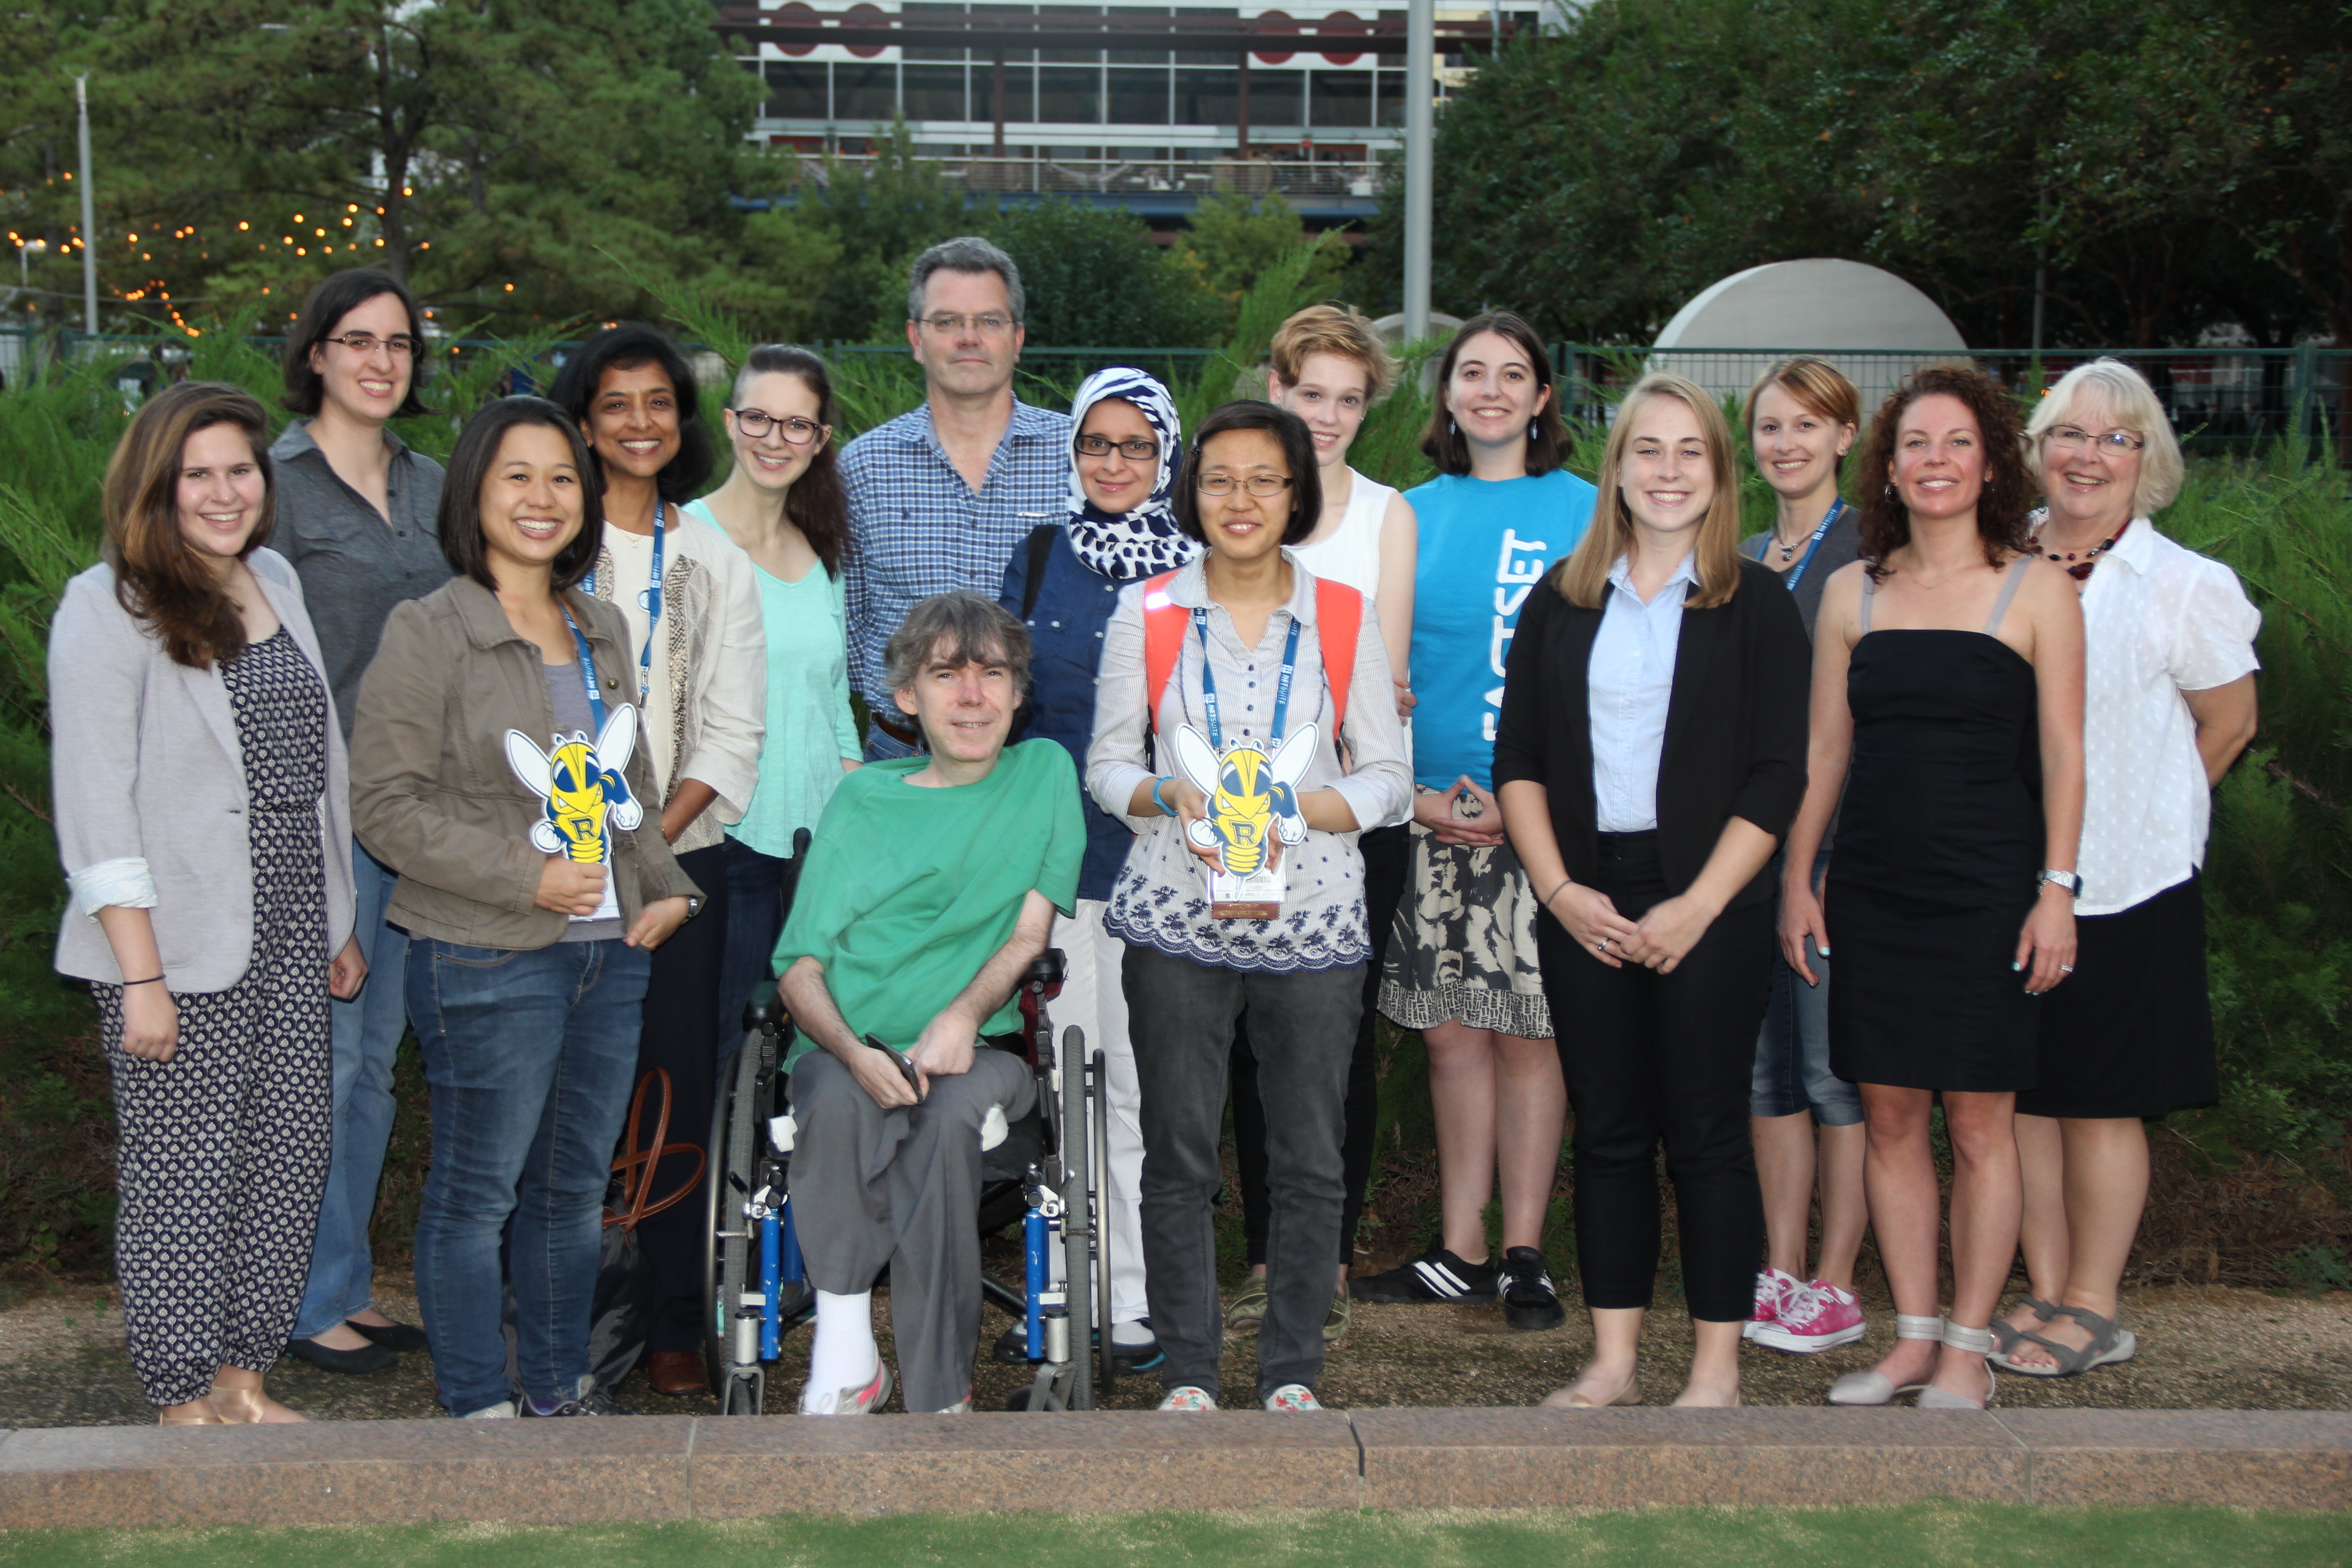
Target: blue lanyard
650 602
587 671
1796 572
1281 686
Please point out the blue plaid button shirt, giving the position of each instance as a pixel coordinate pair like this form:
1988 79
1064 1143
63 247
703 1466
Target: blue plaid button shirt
916 528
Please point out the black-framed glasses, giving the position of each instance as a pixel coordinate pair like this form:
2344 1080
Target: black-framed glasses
989 324
1265 487
799 432
401 344
1137 450
2115 443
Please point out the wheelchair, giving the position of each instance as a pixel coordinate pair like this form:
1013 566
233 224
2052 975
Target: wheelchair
1046 1175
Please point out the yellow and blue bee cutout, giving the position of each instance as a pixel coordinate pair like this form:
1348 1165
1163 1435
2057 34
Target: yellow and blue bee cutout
1252 807
583 790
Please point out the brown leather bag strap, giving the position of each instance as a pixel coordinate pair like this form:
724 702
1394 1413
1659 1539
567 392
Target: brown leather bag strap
635 1166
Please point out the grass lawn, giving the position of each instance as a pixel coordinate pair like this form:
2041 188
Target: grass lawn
1925 1535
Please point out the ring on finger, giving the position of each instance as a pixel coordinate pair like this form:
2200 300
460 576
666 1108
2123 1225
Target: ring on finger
2066 969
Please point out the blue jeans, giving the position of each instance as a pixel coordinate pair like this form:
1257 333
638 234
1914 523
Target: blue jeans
881 745
1792 1048
366 1035
531 1056
755 918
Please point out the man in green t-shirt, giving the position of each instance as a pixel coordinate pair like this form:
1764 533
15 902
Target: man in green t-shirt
931 885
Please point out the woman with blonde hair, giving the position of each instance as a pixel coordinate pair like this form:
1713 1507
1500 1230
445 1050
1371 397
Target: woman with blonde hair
201 812
2168 703
1801 417
1650 754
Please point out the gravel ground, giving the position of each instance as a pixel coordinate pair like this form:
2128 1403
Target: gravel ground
2217 1347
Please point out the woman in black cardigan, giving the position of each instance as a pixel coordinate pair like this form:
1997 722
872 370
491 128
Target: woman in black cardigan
1651 752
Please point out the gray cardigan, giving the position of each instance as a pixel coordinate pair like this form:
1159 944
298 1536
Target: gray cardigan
148 781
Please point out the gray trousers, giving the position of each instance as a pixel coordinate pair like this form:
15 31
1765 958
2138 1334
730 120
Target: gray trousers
875 1189
1303 1029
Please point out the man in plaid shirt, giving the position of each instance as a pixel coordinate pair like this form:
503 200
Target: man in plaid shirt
940 497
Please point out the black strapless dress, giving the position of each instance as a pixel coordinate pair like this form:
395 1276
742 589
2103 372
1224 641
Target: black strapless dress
1938 849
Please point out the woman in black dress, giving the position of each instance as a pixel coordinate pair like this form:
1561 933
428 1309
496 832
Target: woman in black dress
1948 707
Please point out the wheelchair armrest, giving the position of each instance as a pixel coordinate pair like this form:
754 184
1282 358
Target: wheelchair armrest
1047 968
765 1010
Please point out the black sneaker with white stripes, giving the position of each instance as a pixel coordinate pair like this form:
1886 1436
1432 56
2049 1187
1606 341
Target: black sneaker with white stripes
1435 1275
1529 1301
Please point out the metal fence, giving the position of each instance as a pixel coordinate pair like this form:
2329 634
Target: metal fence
1046 174
2220 400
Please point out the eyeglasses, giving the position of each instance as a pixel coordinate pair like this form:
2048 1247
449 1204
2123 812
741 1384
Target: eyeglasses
2115 443
1138 451
365 343
990 325
799 432
1265 487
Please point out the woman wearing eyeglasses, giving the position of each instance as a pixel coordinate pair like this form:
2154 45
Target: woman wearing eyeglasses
1249 653
1121 528
687 595
356 516
782 507
2168 703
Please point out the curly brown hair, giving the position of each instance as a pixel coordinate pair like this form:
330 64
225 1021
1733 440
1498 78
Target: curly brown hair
2009 485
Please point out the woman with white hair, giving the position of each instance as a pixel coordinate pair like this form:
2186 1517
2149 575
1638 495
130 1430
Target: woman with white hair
2170 703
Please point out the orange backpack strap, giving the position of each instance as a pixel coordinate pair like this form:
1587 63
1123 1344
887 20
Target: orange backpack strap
1339 620
1163 640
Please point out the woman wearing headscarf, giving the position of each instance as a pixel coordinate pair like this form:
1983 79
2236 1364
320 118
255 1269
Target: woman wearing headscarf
1121 528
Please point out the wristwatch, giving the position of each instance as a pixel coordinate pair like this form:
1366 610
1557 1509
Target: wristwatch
2068 880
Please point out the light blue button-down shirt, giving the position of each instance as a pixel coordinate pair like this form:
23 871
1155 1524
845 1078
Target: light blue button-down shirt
1629 683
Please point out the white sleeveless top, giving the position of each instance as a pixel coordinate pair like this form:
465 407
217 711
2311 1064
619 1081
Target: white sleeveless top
1352 553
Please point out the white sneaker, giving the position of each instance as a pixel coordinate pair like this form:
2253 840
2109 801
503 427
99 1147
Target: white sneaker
850 1401
1186 1396
504 1410
1291 1398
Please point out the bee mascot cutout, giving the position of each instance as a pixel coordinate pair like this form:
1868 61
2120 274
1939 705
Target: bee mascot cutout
1253 798
580 787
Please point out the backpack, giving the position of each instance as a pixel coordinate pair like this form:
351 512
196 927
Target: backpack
1339 617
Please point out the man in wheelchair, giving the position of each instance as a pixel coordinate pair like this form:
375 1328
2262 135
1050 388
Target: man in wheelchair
930 886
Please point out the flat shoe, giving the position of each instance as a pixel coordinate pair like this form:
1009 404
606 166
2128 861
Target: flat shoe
367 1359
676 1373
1569 1399
401 1339
248 1406
1861 1389
206 1416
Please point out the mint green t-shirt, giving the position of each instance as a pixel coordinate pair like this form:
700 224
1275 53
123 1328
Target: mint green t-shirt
909 890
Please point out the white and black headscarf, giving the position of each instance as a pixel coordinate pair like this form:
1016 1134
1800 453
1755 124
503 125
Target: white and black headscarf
1145 541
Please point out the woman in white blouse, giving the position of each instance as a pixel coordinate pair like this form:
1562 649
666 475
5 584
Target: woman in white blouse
2169 704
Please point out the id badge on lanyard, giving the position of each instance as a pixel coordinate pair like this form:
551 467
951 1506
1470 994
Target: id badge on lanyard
1253 808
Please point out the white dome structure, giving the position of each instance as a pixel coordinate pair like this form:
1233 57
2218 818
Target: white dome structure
1821 306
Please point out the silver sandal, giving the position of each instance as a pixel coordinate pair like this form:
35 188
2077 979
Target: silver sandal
1977 1341
1874 1387
2111 1344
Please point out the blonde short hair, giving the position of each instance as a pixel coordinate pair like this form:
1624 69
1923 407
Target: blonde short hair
1582 579
2125 393
1340 330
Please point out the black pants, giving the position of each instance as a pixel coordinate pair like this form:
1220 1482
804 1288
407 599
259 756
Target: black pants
1652 1057
1386 851
681 1018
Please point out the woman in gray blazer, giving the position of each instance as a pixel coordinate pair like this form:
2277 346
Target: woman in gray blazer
202 814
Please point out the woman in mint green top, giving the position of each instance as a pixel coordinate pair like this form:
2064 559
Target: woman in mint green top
783 506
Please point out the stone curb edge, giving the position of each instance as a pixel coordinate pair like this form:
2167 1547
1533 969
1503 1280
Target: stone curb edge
676 1468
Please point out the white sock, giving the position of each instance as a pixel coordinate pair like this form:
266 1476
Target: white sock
1130 1333
842 1355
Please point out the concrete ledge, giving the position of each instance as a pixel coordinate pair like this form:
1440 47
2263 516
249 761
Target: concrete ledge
1629 1458
675 1468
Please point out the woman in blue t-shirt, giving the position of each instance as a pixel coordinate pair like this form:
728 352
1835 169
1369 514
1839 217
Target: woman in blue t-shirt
1125 449
1461 967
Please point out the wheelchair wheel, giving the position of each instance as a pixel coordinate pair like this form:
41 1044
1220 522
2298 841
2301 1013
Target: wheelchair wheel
1019 1399
735 1144
1079 1222
1098 1195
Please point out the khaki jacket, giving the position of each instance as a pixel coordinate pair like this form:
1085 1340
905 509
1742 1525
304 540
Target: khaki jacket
433 794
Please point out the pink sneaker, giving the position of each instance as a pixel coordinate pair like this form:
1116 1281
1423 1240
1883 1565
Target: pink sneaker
1772 1288
1815 1317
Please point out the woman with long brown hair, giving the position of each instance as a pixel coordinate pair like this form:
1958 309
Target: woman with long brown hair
1650 756
1948 713
202 814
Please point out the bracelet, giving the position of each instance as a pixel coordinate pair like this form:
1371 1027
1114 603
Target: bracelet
1564 883
150 980
1158 800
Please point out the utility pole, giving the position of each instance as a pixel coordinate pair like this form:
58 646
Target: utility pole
1420 114
88 219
